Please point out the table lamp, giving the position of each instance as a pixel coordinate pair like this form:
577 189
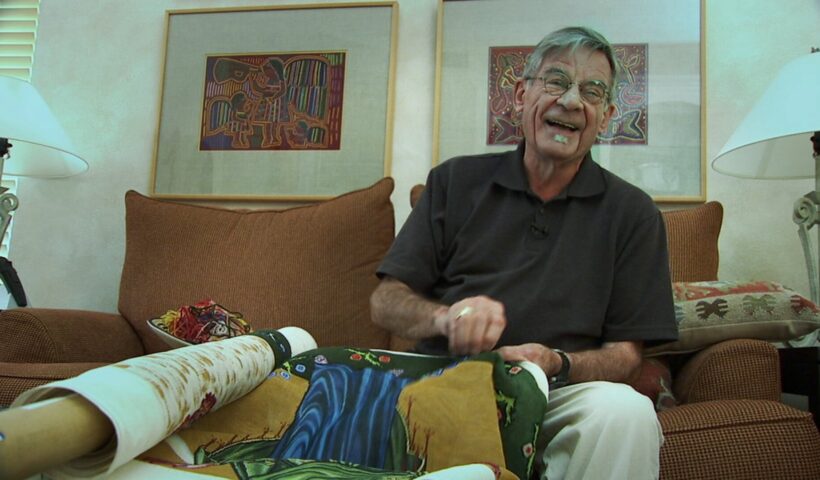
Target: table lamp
41 148
775 140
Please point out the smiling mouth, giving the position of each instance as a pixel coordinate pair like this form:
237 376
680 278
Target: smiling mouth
566 126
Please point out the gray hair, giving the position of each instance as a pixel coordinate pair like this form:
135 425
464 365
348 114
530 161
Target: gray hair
571 39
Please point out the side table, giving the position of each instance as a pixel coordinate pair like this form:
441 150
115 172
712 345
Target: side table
800 375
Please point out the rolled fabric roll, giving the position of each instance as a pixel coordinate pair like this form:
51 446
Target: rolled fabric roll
148 398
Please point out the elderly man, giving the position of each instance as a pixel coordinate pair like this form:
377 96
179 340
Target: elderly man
543 255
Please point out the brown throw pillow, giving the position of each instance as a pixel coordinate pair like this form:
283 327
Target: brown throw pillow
692 235
312 267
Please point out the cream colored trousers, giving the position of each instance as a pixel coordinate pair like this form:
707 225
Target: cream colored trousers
599 431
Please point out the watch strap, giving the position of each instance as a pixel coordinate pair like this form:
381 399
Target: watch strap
562 377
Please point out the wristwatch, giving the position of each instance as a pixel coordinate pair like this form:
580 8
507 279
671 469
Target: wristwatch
562 377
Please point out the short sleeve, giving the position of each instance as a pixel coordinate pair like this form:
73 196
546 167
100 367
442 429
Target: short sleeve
641 305
416 257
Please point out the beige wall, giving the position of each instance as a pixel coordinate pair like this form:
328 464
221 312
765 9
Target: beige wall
98 65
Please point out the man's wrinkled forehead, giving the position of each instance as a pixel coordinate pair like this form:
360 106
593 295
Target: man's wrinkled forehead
562 60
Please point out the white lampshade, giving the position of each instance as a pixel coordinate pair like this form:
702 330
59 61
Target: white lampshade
41 147
773 141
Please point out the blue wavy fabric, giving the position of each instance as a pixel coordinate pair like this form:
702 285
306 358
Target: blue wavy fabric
346 414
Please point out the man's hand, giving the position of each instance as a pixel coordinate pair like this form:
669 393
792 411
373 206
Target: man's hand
549 361
472 325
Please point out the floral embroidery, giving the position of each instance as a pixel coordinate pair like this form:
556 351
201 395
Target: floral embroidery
204 407
365 355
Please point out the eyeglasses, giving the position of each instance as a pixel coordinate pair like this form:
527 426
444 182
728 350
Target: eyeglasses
593 92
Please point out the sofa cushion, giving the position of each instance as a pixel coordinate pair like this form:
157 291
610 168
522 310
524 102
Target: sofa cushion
312 266
738 439
692 236
711 312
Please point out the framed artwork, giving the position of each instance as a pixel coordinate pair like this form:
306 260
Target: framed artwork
291 102
656 137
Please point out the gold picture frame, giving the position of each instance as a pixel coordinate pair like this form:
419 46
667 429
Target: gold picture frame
670 165
290 102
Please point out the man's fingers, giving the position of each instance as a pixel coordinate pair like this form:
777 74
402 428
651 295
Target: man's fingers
532 352
495 327
476 326
459 332
511 354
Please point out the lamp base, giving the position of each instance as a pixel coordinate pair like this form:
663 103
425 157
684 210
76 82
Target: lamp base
8 201
806 215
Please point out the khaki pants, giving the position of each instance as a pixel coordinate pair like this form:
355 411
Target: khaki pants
599 430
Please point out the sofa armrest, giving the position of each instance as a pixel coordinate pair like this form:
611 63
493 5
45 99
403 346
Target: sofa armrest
39 335
16 378
733 369
738 439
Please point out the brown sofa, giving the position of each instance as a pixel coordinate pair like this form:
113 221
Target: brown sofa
314 267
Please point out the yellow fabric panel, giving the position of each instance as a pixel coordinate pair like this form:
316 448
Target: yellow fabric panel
455 416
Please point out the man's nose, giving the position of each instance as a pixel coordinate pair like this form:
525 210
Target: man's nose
571 99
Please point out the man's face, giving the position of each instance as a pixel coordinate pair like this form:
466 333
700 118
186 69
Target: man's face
562 128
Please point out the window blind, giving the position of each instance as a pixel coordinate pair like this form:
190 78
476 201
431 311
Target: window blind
18 30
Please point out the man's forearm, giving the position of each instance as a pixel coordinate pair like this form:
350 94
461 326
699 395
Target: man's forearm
614 362
397 308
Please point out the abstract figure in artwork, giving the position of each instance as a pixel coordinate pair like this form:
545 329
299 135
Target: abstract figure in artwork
273 102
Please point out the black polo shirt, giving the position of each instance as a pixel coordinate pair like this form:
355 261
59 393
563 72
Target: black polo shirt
586 267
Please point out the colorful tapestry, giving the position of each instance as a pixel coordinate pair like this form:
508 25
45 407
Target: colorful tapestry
352 413
232 409
274 101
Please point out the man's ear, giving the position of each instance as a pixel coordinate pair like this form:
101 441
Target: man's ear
518 96
608 114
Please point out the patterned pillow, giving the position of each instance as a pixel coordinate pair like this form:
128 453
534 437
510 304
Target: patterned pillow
711 312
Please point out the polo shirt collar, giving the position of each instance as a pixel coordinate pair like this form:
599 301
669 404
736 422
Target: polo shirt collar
588 182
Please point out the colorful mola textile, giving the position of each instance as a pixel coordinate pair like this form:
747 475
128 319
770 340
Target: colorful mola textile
368 414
